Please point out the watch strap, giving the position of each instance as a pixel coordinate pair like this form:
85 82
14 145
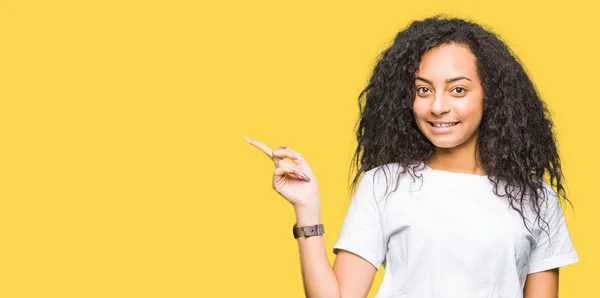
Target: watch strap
307 231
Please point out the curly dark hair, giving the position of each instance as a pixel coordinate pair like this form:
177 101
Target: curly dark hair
516 140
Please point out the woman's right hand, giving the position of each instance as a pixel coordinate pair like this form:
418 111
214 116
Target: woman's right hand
295 180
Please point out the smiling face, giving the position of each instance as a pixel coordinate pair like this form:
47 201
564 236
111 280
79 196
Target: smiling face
448 104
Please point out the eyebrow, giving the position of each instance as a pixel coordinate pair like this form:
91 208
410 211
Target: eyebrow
448 81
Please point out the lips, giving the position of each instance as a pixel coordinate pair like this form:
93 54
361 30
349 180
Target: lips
443 124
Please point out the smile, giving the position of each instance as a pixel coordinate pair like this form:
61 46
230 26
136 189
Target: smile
447 124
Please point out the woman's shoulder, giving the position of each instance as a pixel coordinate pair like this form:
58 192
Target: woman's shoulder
385 172
391 177
392 167
546 203
395 168
549 197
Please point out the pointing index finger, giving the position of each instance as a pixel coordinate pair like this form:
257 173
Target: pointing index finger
264 148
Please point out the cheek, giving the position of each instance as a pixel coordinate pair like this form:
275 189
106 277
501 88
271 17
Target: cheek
471 109
419 109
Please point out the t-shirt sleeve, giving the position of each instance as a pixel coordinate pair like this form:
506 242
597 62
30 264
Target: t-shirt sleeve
558 249
361 232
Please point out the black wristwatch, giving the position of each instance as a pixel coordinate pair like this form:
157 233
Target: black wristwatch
308 231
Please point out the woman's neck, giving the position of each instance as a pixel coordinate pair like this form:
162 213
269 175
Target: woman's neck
459 160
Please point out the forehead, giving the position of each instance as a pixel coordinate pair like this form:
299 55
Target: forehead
446 61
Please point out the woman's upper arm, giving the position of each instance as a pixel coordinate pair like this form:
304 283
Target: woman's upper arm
543 284
354 274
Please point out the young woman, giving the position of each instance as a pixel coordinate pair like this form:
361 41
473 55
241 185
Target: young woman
454 145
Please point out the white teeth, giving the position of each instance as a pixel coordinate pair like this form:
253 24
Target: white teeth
443 124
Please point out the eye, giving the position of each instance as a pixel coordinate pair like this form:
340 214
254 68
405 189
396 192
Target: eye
459 90
422 90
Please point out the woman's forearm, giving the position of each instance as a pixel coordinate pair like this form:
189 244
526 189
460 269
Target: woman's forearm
317 274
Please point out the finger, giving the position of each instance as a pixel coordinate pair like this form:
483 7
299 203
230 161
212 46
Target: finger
282 162
264 148
283 152
300 157
291 170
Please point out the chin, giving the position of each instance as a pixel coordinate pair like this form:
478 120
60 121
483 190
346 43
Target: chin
445 144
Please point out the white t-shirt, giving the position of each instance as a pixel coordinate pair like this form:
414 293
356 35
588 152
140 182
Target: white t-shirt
448 235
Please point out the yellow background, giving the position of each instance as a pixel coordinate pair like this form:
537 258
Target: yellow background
124 172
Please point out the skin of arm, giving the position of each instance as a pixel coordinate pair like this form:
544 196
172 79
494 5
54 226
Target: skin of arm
542 284
350 277
354 274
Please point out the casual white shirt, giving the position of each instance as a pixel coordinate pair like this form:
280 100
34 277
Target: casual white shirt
448 235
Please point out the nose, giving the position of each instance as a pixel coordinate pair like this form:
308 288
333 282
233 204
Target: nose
440 105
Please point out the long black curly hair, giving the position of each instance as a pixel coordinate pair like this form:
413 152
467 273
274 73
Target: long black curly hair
516 140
